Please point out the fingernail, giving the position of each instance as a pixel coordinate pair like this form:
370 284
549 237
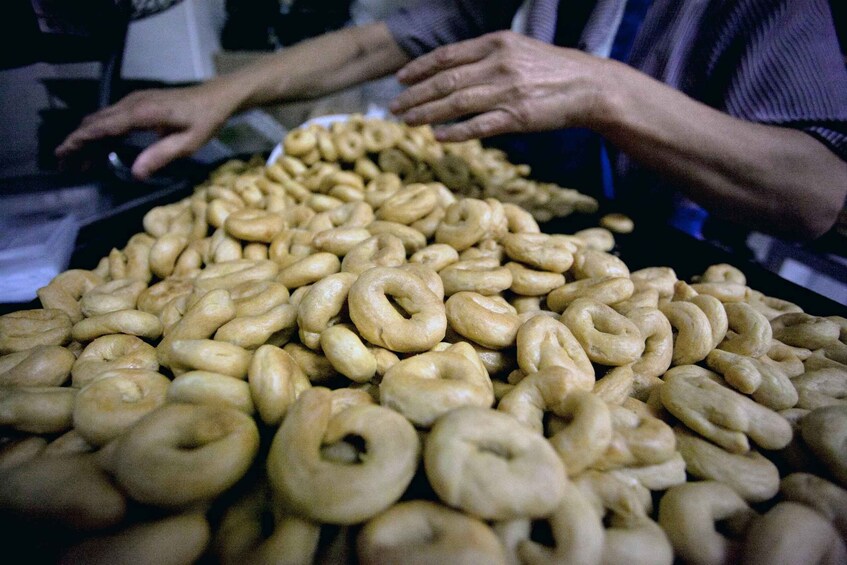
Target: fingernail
402 74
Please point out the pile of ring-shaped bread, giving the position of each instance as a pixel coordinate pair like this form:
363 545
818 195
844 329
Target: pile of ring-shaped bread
320 361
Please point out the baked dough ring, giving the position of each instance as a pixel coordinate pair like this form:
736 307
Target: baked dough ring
607 337
825 497
693 339
214 389
229 274
130 322
546 342
299 142
792 533
110 352
608 290
71 492
154 299
695 396
825 432
383 250
26 329
467 222
805 330
115 401
379 322
348 355
322 306
174 539
249 224
341 493
209 355
751 475
577 531
108 297
45 365
485 320
751 332
274 326
427 385
484 462
688 513
658 343
308 270
409 204
484 276
275 381
542 251
65 291
638 440
181 454
37 410
419 532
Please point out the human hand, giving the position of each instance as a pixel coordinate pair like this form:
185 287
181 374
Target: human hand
505 82
184 118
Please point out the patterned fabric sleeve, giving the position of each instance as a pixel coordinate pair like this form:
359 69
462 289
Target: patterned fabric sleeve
780 63
433 23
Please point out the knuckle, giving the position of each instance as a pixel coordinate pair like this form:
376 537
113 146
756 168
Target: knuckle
519 113
444 56
145 112
461 101
505 68
522 91
446 84
502 38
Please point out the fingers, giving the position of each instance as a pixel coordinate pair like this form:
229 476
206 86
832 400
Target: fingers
473 100
447 57
95 127
441 85
139 110
163 152
495 122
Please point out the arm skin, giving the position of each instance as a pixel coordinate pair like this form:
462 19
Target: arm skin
775 179
186 118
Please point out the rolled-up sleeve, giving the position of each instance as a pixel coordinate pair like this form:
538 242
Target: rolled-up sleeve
433 23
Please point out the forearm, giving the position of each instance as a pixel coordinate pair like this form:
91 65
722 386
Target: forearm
313 68
771 178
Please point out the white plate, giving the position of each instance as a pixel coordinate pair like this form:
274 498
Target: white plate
326 121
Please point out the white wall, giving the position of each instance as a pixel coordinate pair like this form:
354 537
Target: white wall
176 45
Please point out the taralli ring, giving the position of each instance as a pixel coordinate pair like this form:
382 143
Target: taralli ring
608 337
348 493
430 532
427 385
486 463
25 329
379 322
185 453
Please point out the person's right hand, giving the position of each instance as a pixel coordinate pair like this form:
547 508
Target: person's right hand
184 118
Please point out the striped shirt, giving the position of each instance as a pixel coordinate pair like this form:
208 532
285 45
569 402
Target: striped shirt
774 62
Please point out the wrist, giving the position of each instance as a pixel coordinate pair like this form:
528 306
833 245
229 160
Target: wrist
229 93
609 95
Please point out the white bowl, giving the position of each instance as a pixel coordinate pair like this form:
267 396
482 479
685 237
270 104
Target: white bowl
326 121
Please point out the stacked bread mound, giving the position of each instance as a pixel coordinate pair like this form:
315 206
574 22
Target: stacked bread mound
338 358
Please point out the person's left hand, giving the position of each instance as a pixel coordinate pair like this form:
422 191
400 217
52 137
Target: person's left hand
505 82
